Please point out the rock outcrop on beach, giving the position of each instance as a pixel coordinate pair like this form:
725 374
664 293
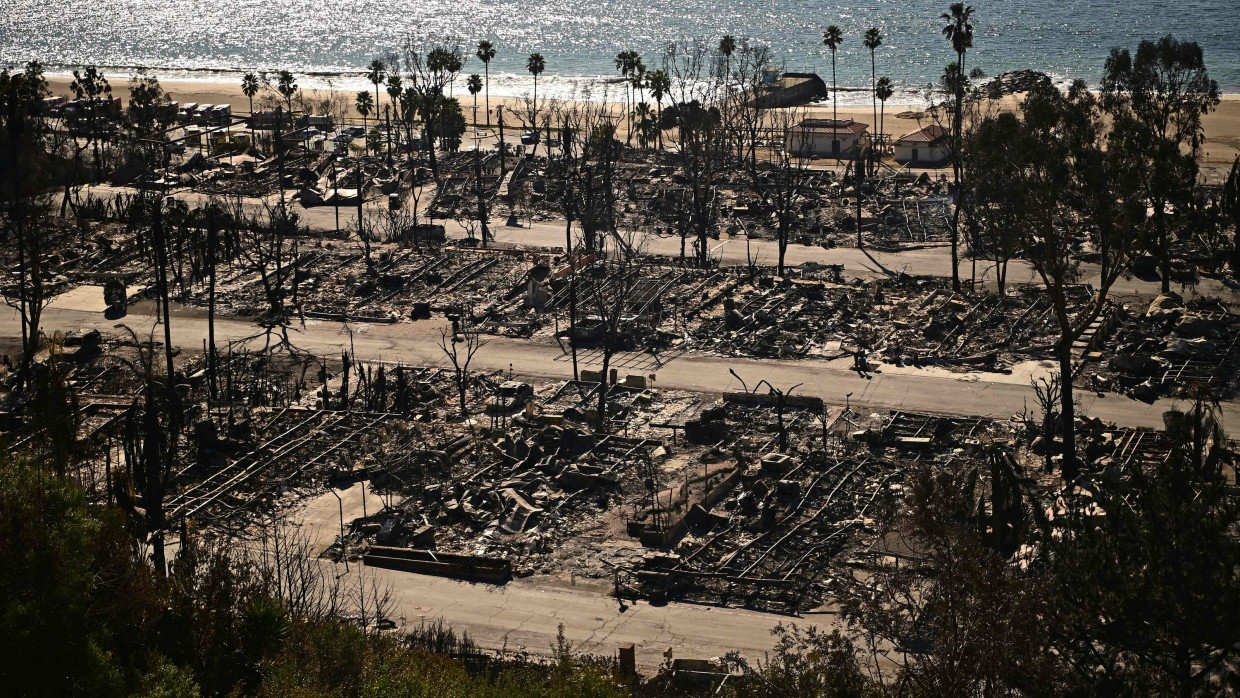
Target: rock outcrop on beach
1015 82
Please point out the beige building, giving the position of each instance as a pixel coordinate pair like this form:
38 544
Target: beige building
826 138
928 145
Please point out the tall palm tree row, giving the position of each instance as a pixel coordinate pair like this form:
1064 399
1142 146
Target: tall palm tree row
873 39
485 52
832 38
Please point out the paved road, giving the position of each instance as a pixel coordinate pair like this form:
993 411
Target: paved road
924 390
858 263
524 614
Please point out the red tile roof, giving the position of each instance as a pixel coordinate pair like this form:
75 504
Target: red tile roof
847 126
926 134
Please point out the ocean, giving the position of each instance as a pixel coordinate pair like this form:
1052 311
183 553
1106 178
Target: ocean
333 40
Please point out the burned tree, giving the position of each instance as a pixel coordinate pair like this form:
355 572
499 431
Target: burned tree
586 173
91 87
146 119
785 181
1230 205
25 178
459 348
150 437
429 69
214 219
158 214
702 139
608 295
744 101
268 248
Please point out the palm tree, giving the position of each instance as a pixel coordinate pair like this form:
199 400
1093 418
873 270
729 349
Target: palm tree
486 51
453 63
660 85
873 39
832 38
395 87
249 87
959 31
376 75
883 90
727 45
645 123
626 63
475 86
536 64
286 85
639 80
364 105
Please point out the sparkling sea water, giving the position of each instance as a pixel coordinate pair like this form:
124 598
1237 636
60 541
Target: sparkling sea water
335 39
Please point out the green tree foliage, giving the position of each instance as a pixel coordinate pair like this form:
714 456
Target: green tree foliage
54 407
167 680
451 124
81 614
146 96
338 660
954 616
1148 574
72 601
1001 202
1042 175
804 662
1156 99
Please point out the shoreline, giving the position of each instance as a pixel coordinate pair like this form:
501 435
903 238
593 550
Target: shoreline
1222 126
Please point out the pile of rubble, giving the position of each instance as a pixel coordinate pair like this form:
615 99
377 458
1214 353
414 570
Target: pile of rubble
1169 348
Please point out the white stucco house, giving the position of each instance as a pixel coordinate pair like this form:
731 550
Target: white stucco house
928 145
826 138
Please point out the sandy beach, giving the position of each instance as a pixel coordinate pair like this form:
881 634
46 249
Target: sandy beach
1222 126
